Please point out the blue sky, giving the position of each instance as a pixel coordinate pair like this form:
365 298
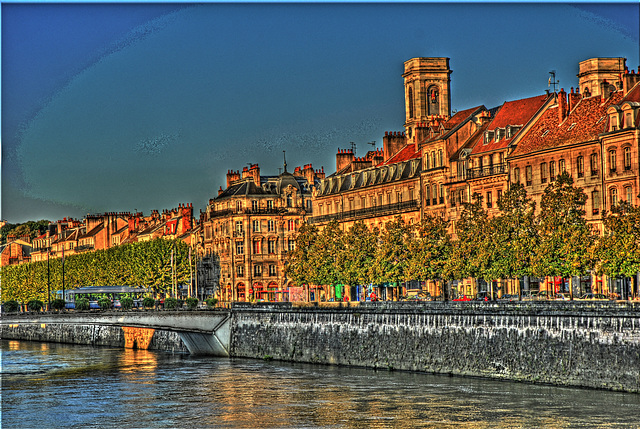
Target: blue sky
123 107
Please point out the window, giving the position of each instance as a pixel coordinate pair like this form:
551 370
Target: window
289 201
291 245
398 197
628 194
254 205
627 158
426 162
462 196
269 204
433 159
489 201
440 161
239 248
363 202
612 160
613 192
628 120
240 271
613 122
427 195
239 227
499 195
271 247
595 202
543 172
434 196
291 225
309 206
410 194
561 166
256 226
552 171
257 247
271 225
580 166
441 194
594 164
257 270
516 175
410 102
272 270
380 199
529 175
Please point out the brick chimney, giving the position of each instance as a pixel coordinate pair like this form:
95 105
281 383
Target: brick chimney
254 172
392 143
629 80
605 90
562 105
343 158
574 98
232 176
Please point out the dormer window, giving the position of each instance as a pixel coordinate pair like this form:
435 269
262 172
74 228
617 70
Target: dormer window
498 134
508 131
613 122
488 136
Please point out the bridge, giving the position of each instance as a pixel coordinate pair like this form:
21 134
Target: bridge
202 332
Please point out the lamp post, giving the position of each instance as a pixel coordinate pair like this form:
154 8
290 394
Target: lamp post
48 282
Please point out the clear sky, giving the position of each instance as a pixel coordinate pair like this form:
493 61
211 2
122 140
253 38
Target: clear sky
123 107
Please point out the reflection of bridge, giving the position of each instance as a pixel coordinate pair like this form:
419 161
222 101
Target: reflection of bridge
202 332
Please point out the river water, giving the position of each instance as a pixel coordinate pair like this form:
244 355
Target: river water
47 385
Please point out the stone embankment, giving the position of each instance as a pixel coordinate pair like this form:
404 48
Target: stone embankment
586 344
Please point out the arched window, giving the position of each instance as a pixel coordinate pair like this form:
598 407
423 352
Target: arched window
289 200
627 158
441 194
594 164
561 166
613 193
410 102
595 202
612 160
433 159
433 94
426 162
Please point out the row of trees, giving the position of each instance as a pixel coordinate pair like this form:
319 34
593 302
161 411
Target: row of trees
33 229
146 264
517 242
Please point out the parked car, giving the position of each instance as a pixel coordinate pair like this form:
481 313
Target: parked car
509 297
562 297
482 296
594 297
463 298
544 294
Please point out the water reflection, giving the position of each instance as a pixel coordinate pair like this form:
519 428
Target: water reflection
77 386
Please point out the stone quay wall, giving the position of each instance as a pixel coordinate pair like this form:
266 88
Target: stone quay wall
86 334
586 344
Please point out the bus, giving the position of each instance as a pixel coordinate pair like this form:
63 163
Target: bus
94 293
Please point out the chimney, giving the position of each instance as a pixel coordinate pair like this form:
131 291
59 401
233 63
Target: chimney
574 98
392 143
629 80
232 176
605 90
220 191
343 158
562 105
254 172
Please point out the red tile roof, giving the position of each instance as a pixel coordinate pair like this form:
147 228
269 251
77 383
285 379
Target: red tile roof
408 152
583 124
518 112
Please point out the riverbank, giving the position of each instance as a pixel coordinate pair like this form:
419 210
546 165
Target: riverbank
593 345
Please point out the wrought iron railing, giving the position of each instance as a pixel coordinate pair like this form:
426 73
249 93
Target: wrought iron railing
491 170
387 209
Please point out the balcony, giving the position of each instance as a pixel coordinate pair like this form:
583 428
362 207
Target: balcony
492 170
387 209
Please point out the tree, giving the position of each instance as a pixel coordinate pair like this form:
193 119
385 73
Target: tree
300 261
565 235
430 252
326 253
513 235
617 252
357 255
392 253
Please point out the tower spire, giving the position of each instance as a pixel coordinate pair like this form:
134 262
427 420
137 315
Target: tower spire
284 155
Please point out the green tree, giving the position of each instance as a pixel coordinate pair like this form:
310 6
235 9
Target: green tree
358 251
299 266
617 251
325 269
565 235
392 253
430 253
471 248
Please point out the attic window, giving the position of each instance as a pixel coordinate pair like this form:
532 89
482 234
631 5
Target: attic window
488 136
508 132
571 126
545 133
498 134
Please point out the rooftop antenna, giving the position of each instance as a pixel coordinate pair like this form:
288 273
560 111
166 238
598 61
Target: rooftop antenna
552 80
353 148
284 155
372 143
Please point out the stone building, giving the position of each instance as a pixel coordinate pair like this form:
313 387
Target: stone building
252 224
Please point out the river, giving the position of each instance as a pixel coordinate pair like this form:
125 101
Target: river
48 385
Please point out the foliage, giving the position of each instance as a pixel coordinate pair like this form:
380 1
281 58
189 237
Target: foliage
392 253
299 261
11 306
211 302
126 303
58 304
471 251
430 252
104 303
82 304
145 264
565 236
34 305
618 250
31 228
192 303
171 303
357 254
148 302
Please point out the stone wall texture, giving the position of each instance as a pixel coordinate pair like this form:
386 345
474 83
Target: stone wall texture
572 344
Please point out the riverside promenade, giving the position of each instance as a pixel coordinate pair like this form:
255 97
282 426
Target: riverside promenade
571 343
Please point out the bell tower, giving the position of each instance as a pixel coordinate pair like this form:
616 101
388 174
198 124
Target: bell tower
427 91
